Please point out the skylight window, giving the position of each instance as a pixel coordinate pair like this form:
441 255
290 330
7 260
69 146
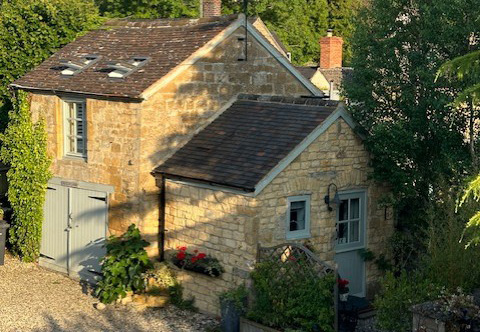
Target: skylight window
122 69
74 67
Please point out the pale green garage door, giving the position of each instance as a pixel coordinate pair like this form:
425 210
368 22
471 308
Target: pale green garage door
74 231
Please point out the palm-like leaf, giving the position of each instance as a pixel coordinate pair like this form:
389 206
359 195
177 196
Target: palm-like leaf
463 68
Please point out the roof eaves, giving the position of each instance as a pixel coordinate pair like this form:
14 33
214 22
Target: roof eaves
93 94
172 176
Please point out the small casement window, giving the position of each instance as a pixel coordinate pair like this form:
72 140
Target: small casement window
298 217
75 128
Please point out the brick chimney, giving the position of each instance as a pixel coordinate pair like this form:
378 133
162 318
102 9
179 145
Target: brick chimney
211 8
330 51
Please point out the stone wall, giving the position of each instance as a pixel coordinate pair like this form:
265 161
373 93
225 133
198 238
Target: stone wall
225 223
222 225
125 141
113 145
337 156
191 100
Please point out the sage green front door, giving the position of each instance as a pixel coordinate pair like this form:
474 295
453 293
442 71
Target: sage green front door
350 240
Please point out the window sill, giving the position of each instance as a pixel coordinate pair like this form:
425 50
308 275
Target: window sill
75 158
298 236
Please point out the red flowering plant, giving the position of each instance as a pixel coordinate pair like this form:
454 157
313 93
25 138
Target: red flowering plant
343 286
197 262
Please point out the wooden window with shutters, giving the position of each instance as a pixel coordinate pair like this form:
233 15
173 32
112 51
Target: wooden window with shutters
75 129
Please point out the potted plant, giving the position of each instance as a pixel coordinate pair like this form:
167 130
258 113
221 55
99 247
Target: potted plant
233 305
343 289
197 262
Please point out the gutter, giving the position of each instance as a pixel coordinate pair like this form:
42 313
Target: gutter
97 95
161 218
201 181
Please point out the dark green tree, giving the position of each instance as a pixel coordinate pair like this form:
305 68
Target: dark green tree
24 149
31 31
341 14
414 132
149 8
298 23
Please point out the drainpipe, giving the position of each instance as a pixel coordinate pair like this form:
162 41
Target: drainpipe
161 217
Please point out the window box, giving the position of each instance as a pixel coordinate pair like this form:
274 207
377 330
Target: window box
197 262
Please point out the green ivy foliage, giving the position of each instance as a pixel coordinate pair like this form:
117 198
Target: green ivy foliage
300 301
24 149
124 266
31 31
415 134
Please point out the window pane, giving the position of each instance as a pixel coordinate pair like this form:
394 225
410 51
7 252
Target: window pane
297 216
354 208
342 236
343 210
354 231
70 110
71 144
79 145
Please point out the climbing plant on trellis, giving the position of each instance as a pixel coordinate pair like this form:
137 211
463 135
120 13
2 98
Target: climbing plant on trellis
293 288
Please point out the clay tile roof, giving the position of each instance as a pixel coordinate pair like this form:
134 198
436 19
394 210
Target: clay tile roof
166 42
246 141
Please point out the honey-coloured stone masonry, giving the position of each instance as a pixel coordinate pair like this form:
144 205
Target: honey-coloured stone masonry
229 226
126 139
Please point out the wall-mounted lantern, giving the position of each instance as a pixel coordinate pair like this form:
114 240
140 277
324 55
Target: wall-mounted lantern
336 198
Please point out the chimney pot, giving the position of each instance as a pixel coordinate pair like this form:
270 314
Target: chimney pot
331 51
211 8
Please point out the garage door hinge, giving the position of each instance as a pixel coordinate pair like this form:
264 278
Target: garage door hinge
104 199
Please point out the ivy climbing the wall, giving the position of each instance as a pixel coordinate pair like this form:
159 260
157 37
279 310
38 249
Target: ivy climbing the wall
24 149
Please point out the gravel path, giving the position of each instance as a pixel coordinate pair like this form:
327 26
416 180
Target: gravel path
34 299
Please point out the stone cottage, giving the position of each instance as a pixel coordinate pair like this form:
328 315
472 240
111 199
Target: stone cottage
147 123
122 99
259 174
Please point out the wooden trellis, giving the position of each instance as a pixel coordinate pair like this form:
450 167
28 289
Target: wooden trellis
282 256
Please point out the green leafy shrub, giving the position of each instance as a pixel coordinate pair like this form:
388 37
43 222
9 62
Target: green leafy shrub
124 266
398 295
301 301
24 149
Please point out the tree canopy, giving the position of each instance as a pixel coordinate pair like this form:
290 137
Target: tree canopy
298 23
149 8
31 31
414 132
